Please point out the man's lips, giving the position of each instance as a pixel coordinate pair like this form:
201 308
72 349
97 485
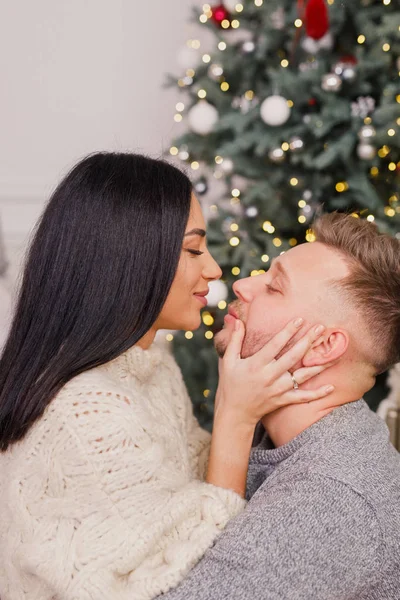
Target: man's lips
232 311
232 315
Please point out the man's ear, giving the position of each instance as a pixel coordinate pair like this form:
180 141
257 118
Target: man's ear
331 346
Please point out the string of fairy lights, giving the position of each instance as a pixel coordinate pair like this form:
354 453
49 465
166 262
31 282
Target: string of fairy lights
390 210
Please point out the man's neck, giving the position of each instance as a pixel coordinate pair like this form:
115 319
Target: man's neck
286 423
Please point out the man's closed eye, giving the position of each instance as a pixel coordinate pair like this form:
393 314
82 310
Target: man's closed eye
272 290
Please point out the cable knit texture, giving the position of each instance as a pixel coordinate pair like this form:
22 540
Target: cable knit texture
105 498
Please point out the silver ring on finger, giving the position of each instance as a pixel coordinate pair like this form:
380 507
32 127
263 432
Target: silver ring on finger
295 384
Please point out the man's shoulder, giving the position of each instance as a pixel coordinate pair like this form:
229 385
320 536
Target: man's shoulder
356 451
345 474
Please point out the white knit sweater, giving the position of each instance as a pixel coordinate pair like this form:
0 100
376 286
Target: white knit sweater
104 498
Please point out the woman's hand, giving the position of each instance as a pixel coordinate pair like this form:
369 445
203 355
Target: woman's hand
251 388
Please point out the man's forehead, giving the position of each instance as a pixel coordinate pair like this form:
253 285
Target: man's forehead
313 260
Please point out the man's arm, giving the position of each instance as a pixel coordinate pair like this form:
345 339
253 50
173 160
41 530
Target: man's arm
314 537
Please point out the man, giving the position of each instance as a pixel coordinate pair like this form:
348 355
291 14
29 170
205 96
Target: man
323 520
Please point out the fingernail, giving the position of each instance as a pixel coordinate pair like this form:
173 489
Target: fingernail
298 322
319 329
329 389
237 325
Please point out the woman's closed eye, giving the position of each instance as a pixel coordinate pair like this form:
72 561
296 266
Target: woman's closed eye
194 252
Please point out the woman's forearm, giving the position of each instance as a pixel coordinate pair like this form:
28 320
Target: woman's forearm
229 454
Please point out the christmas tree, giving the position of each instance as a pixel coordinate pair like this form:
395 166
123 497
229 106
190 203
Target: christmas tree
295 111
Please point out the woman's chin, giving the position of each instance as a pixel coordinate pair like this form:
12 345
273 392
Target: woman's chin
187 324
192 324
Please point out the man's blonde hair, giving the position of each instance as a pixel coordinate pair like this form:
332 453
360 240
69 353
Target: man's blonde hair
373 286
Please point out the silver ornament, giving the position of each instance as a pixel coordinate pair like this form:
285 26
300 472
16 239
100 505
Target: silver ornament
366 151
349 74
202 117
366 133
276 155
248 47
183 152
362 107
338 68
215 71
331 82
296 143
307 195
227 166
251 212
307 212
345 69
274 110
201 186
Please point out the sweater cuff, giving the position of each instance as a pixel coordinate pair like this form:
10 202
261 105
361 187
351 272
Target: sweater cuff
222 504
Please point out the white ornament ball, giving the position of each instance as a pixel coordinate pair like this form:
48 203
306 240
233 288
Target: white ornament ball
252 212
215 71
202 117
230 5
349 74
275 111
248 47
296 143
218 291
187 58
276 155
366 133
366 151
331 82
227 166
310 45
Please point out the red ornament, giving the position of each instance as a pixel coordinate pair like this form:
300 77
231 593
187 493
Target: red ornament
316 19
349 59
219 14
312 102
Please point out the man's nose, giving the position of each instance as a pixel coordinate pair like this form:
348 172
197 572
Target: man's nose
246 289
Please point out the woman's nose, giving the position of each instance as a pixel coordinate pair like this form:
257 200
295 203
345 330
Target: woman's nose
212 269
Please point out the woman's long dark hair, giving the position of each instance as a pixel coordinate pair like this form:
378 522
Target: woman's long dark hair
98 272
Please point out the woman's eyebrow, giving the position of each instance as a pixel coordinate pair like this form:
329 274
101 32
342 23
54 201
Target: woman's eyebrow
196 231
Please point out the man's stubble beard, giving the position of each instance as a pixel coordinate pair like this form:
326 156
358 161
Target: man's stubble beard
253 340
252 343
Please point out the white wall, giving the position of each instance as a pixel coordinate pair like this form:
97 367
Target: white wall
79 76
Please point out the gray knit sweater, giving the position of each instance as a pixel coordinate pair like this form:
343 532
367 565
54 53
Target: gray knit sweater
323 522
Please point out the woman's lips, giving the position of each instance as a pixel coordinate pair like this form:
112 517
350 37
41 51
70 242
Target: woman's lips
201 299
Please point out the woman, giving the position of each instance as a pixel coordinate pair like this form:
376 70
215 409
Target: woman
102 490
